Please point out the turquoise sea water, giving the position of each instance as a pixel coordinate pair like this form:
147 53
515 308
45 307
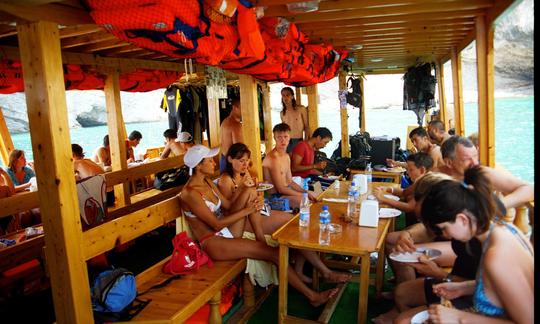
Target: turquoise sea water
514 131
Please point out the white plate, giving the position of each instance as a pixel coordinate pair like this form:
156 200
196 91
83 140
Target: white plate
264 186
409 257
396 170
389 212
389 196
420 317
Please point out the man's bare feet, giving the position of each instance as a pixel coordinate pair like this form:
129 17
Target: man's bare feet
337 277
386 318
323 296
304 278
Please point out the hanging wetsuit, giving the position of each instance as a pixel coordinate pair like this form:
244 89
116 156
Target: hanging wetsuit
171 104
186 114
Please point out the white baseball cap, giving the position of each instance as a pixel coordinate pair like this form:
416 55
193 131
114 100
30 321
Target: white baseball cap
196 154
184 137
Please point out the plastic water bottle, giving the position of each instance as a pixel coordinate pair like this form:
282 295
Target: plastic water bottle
324 231
357 203
351 204
369 173
304 211
369 176
306 184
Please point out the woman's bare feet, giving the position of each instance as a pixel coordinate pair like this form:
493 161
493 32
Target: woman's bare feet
336 277
323 296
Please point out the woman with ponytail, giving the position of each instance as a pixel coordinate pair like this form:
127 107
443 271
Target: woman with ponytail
503 289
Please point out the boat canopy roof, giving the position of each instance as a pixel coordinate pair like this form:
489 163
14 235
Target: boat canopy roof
379 36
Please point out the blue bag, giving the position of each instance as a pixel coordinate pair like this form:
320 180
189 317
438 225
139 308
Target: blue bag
113 290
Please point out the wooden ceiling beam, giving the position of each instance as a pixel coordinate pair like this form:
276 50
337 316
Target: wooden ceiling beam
389 37
53 12
400 44
366 3
379 34
426 8
389 31
11 52
79 30
104 45
380 8
117 51
497 11
88 39
461 17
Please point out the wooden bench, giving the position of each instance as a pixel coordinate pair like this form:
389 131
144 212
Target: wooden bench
181 298
25 251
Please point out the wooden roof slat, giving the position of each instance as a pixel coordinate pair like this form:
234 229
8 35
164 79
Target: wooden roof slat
409 20
63 15
408 33
104 45
88 39
362 12
79 30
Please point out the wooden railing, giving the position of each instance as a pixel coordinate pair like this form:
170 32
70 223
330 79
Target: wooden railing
18 203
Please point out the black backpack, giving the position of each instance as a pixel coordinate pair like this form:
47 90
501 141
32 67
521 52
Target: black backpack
354 98
171 178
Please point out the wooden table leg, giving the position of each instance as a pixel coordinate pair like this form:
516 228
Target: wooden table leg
363 289
283 282
379 274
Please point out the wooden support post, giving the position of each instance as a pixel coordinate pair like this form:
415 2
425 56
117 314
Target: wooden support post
250 122
214 124
215 315
486 101
267 114
41 60
344 117
442 96
363 109
298 93
249 291
459 123
117 134
312 110
6 144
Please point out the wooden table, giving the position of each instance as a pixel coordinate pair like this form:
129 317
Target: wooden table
354 240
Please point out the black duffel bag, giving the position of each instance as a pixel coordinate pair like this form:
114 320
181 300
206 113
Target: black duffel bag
171 178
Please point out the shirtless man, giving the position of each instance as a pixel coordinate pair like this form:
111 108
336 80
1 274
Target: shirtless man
437 133
420 140
133 140
174 145
103 153
460 154
277 168
231 132
84 168
295 116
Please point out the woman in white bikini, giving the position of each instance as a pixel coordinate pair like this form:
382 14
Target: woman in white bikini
217 233
233 183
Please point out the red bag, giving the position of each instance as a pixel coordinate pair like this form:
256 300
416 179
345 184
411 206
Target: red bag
187 256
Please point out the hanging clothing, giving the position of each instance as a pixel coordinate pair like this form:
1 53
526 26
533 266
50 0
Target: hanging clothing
186 114
171 104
